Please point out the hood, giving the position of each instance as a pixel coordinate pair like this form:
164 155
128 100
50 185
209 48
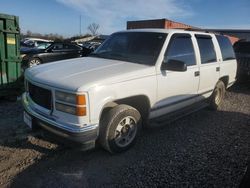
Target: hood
80 74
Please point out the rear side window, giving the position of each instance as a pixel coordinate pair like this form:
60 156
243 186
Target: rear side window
181 49
58 47
225 47
206 48
71 47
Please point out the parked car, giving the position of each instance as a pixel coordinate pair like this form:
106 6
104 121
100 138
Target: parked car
90 45
49 52
136 77
33 42
242 51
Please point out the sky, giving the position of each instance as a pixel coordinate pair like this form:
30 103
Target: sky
63 16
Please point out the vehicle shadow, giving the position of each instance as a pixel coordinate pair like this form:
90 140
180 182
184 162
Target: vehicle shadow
219 137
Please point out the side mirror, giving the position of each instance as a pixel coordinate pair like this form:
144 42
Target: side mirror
174 65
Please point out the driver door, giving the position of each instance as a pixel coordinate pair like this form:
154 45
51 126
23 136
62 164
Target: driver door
178 89
54 53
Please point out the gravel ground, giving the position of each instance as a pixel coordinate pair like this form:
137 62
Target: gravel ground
204 149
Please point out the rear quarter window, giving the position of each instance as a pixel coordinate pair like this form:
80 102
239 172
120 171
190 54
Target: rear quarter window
225 47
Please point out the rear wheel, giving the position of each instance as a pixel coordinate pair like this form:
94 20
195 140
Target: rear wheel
34 61
119 128
218 95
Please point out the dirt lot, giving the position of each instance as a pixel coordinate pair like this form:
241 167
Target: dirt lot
204 149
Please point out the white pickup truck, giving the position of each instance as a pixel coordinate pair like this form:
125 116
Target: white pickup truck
133 77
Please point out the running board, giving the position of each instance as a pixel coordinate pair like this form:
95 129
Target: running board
168 118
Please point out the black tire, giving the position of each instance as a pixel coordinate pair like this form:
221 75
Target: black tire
217 96
34 61
110 138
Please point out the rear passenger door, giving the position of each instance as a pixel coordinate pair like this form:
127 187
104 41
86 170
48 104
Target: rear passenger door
228 65
72 51
178 89
54 53
209 66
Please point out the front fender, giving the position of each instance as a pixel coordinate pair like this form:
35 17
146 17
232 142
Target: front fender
99 96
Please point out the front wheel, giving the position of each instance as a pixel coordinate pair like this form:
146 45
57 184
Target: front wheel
119 128
34 61
218 95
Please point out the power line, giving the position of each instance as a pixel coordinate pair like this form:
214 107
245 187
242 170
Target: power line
80 25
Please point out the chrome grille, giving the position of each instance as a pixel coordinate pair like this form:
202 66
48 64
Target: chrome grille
40 96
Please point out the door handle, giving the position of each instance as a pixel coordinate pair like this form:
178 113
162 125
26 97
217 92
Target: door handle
217 69
197 73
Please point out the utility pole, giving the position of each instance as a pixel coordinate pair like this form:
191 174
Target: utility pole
80 25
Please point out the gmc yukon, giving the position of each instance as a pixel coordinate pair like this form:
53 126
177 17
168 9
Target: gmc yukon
132 79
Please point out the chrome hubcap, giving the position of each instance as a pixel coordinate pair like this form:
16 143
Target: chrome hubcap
218 95
125 131
34 62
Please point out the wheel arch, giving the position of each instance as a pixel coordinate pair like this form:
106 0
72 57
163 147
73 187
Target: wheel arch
225 80
139 102
37 56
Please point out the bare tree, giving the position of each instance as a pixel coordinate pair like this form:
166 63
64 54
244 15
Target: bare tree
93 28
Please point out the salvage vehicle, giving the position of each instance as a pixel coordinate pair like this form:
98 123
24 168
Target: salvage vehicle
55 51
33 42
136 77
242 52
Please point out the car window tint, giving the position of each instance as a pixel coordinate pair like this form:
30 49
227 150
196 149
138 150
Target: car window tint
72 47
58 47
181 49
40 42
136 47
225 47
206 48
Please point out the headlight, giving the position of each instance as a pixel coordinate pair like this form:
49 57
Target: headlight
22 56
76 104
65 97
70 98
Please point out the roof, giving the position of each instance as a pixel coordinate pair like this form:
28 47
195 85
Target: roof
166 31
37 39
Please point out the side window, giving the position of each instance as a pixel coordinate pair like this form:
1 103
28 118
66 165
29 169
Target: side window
225 47
181 49
58 47
70 47
206 48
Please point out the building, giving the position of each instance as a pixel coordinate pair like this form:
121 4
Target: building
158 23
233 35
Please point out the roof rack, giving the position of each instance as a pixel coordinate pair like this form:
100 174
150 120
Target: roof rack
200 30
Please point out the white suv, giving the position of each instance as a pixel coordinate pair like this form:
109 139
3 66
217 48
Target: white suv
134 77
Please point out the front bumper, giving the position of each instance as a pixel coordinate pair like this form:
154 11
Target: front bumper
82 135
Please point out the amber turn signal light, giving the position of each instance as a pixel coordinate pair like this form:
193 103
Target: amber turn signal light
81 111
80 100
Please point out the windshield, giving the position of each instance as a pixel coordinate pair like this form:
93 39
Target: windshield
43 45
29 42
136 47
